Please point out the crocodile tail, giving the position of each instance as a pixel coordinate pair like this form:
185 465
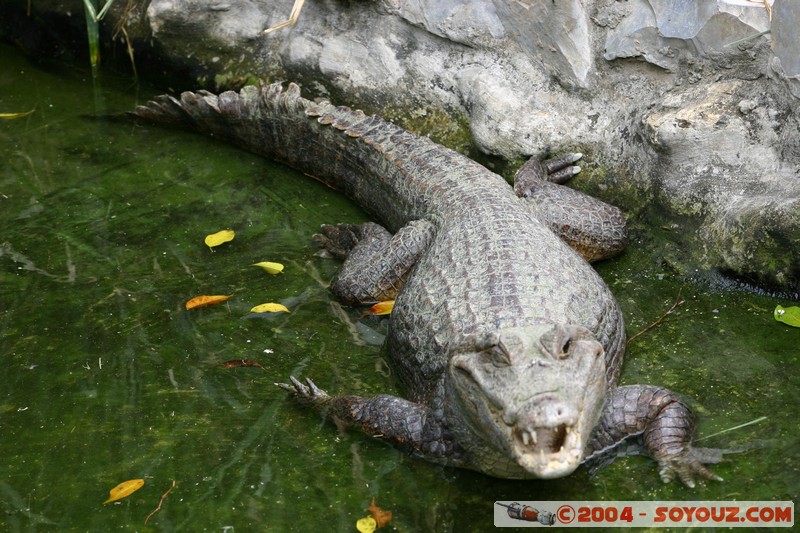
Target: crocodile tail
348 150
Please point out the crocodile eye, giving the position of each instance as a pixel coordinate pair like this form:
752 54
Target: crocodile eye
565 348
500 356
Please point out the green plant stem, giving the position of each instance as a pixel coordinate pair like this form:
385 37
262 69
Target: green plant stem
92 32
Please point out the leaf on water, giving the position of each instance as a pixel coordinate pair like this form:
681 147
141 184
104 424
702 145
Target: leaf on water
381 517
235 363
202 301
788 315
126 488
269 308
220 237
272 268
12 116
366 524
382 308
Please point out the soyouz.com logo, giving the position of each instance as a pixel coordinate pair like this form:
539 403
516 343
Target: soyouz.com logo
643 514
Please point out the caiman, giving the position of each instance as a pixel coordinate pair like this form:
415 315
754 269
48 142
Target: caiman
507 342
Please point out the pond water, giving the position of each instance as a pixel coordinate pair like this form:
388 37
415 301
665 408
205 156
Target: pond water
108 378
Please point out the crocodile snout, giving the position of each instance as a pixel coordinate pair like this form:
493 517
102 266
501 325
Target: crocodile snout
545 424
546 437
547 411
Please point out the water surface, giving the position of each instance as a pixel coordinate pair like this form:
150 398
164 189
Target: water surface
107 377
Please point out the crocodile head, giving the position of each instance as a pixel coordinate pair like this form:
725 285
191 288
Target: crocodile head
528 398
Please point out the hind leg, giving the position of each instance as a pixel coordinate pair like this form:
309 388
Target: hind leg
376 263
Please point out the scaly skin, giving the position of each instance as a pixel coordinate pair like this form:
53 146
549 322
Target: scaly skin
505 339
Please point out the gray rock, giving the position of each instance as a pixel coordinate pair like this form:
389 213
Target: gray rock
661 31
226 22
786 43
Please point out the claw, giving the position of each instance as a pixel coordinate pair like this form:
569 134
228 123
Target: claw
563 175
314 389
556 170
284 386
307 393
562 162
689 465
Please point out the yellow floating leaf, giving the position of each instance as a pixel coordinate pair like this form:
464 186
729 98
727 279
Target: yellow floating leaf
12 116
220 237
382 308
202 301
366 524
272 268
126 488
269 308
381 517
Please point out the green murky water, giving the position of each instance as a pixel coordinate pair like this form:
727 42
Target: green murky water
107 377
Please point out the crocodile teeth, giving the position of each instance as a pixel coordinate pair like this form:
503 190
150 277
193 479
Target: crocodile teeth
529 436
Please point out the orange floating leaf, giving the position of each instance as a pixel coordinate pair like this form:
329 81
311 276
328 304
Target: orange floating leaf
220 237
126 488
202 301
381 517
382 308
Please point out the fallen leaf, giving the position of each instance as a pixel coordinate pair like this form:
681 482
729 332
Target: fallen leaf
269 308
126 488
272 268
788 315
220 237
382 308
381 517
234 363
202 301
366 524
11 116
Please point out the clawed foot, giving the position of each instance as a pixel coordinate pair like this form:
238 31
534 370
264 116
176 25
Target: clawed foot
690 465
339 240
560 169
535 171
306 394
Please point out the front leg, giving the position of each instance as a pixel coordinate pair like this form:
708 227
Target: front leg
658 424
410 427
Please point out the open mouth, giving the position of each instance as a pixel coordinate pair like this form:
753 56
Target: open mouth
549 440
547 452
